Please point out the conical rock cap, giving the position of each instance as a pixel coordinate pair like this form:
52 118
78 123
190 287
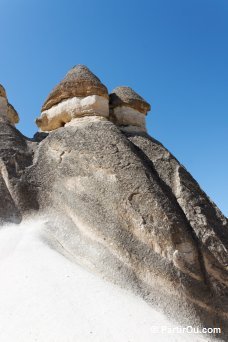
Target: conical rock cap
126 96
78 82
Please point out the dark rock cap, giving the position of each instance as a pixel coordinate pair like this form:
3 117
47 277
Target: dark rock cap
126 96
2 91
79 81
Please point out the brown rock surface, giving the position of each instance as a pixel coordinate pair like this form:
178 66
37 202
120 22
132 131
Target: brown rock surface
12 114
7 111
79 94
80 82
126 96
2 91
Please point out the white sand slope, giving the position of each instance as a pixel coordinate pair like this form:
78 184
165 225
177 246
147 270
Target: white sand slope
46 298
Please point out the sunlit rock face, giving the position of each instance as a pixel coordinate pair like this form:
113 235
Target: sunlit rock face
119 204
128 109
79 94
3 107
7 111
76 107
2 91
210 227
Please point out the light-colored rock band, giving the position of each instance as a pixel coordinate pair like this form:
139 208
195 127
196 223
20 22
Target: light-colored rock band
82 94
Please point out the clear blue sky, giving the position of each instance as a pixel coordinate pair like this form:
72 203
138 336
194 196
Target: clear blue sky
172 52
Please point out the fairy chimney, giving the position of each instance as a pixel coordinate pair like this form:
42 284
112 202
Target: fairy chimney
79 94
7 111
128 109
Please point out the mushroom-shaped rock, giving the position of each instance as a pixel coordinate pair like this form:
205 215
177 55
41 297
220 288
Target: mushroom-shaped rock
79 94
128 109
7 111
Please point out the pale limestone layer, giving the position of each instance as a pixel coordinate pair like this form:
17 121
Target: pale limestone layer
85 120
76 107
127 116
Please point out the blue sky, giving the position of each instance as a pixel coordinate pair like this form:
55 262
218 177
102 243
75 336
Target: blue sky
173 53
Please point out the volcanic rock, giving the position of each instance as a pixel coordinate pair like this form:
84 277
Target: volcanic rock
2 91
79 94
7 111
128 109
119 204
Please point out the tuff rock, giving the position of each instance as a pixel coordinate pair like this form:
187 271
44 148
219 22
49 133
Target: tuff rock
79 94
119 203
7 111
128 109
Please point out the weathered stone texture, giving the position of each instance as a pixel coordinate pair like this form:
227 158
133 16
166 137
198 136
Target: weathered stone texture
80 82
79 94
126 96
117 202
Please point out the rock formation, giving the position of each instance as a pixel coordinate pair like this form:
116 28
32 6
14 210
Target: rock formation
116 200
79 94
128 109
7 111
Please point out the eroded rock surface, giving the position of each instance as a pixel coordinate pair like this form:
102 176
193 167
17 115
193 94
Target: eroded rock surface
7 111
79 94
128 109
121 205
